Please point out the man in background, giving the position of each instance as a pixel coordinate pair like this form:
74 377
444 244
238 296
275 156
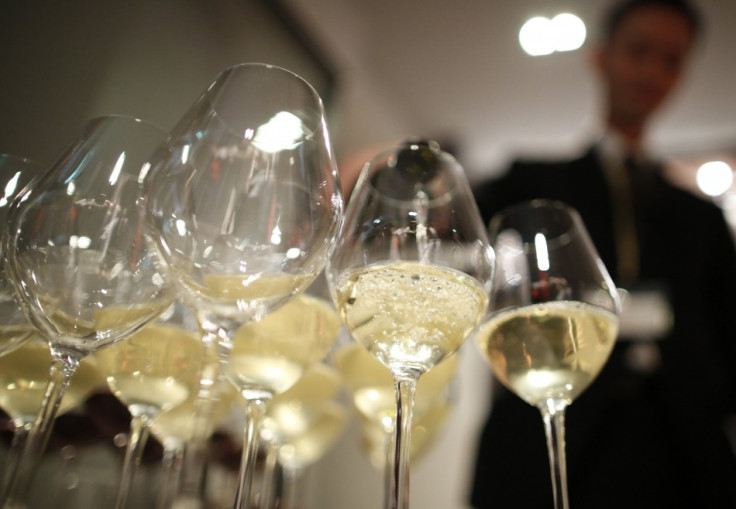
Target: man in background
650 432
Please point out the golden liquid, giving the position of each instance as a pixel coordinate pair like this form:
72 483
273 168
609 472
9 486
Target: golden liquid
372 388
424 433
549 351
154 369
292 412
106 322
24 373
271 354
410 314
306 448
177 426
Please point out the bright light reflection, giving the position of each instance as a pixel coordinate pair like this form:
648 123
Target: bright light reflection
9 189
79 242
281 132
293 253
276 235
540 244
714 178
543 36
117 169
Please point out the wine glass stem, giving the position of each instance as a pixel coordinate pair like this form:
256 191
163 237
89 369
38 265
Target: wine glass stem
255 411
20 434
553 413
172 464
133 453
389 427
63 365
194 470
399 489
266 497
290 487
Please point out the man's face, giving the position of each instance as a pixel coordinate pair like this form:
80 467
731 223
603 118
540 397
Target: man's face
643 61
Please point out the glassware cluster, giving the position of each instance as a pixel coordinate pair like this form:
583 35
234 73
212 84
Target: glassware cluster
211 277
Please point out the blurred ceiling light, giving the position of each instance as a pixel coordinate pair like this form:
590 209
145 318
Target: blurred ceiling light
543 36
714 178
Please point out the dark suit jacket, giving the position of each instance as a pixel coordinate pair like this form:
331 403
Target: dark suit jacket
634 439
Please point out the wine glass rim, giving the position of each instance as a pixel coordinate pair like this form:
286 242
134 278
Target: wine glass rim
266 67
126 118
373 166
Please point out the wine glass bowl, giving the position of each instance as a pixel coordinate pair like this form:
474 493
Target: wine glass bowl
77 260
244 207
554 315
15 174
246 196
75 251
413 242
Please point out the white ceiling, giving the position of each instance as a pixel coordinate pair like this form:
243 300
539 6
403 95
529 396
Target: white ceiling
454 69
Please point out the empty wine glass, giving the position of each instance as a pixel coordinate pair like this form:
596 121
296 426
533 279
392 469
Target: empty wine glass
411 273
152 371
77 260
554 316
245 205
15 173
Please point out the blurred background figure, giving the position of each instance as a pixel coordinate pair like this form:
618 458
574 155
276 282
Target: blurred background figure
651 431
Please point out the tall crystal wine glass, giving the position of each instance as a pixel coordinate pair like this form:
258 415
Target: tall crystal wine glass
152 371
245 207
15 173
554 316
77 260
411 273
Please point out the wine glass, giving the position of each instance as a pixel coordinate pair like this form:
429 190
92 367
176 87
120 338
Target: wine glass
301 425
411 272
245 205
24 374
554 316
15 173
371 389
174 428
77 260
152 371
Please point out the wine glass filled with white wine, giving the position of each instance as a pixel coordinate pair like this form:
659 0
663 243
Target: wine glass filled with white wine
411 273
554 315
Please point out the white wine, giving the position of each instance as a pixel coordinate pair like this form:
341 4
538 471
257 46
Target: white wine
410 314
24 373
271 354
304 449
95 332
292 412
547 351
244 295
177 425
372 388
424 431
155 369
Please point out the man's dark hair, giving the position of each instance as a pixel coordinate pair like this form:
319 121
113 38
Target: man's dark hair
619 11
